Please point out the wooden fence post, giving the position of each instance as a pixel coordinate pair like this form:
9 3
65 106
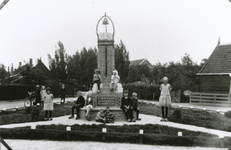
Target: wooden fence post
179 138
68 129
141 132
104 130
33 128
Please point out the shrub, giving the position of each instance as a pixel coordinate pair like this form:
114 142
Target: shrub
144 91
228 114
177 114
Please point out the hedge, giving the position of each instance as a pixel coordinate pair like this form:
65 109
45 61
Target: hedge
153 134
144 91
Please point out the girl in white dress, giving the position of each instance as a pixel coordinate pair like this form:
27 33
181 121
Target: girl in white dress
165 98
48 104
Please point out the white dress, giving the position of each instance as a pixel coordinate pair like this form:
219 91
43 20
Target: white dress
165 98
48 102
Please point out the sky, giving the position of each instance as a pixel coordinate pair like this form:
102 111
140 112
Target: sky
159 30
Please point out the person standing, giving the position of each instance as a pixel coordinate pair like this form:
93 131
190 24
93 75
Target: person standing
165 98
48 104
63 93
42 94
37 95
126 106
79 103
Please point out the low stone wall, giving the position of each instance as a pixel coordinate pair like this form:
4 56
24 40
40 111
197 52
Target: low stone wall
118 113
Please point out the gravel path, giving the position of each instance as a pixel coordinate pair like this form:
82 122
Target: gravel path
57 145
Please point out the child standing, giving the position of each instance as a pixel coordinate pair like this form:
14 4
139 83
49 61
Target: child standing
42 93
48 104
63 93
115 78
96 79
165 98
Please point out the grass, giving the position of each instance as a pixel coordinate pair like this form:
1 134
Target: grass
22 115
201 118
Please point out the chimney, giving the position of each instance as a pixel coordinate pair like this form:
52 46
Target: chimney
31 64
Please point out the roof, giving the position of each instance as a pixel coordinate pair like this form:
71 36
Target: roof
218 62
139 62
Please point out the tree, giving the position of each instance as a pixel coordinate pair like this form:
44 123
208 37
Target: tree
122 61
3 72
58 64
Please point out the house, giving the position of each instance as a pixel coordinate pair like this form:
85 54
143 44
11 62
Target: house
215 75
143 61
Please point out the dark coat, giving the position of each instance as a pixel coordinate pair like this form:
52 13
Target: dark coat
126 102
80 101
63 92
135 102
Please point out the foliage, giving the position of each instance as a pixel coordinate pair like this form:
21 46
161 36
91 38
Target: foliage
58 64
122 61
144 91
228 114
3 72
153 134
177 114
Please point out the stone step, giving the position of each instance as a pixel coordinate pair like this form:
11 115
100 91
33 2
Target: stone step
118 113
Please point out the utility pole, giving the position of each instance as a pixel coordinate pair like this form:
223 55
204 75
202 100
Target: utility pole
3 3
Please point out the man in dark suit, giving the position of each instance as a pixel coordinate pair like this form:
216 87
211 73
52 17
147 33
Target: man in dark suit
79 103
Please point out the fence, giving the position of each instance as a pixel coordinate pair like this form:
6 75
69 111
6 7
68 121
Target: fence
196 97
12 92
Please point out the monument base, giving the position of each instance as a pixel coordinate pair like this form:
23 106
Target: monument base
106 97
118 113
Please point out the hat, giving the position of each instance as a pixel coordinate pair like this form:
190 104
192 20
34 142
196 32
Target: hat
125 91
48 89
115 71
165 78
134 93
97 70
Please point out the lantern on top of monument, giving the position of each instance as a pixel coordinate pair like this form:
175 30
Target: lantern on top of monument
105 31
104 34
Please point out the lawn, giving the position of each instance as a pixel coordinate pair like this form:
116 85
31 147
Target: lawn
201 118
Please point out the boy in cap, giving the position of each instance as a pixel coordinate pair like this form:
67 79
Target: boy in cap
126 105
135 103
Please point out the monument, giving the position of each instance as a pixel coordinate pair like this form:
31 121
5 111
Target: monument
106 64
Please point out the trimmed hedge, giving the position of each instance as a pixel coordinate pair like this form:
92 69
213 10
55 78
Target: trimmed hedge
153 134
144 91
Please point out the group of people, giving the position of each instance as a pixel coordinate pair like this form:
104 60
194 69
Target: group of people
44 97
103 115
115 78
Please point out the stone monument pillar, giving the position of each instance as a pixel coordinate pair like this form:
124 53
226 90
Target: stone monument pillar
106 64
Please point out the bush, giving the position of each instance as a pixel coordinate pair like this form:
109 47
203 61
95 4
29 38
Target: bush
153 134
177 114
228 114
144 91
